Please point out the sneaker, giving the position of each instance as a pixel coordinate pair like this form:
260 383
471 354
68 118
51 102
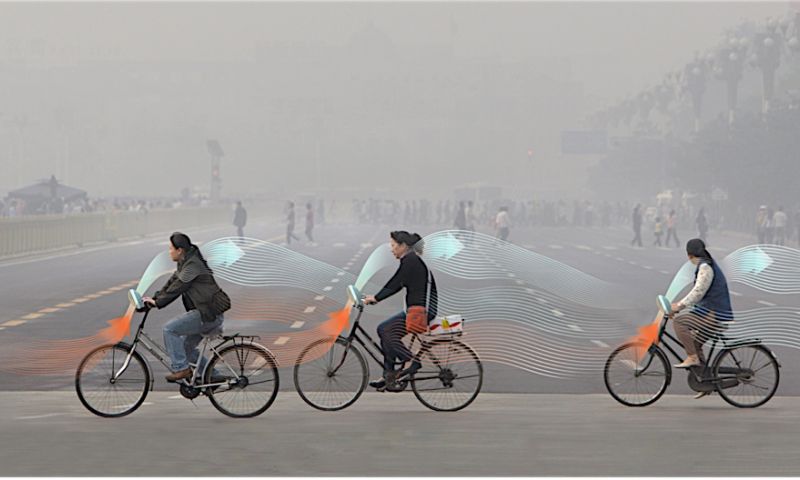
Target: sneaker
701 394
398 386
379 384
691 361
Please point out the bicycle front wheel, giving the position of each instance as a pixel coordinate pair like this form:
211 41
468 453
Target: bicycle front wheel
636 375
330 375
251 380
450 378
749 375
105 393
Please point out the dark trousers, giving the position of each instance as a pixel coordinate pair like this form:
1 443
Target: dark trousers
637 240
290 234
240 231
392 332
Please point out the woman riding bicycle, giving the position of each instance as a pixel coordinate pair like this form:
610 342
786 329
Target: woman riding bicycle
705 309
421 306
203 299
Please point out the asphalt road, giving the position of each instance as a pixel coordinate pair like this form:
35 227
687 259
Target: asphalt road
392 434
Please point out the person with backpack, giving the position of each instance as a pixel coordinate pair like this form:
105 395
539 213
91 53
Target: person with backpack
203 300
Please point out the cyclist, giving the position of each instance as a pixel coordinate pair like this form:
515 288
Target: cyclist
421 306
705 309
204 301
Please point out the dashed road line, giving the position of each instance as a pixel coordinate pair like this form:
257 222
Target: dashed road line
319 298
298 324
309 309
281 341
584 247
65 305
32 316
762 302
557 313
327 289
575 328
600 344
335 280
735 294
49 310
12 323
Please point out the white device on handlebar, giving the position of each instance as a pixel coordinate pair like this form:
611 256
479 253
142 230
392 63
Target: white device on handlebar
664 305
135 299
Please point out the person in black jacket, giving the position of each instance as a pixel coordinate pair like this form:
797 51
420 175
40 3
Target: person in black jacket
421 306
203 299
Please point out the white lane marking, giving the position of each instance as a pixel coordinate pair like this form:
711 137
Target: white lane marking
735 294
13 323
600 344
583 247
575 327
340 274
65 305
632 262
664 272
46 415
530 290
647 267
556 247
557 313
345 268
281 341
366 245
175 397
298 324
327 289
319 298
309 309
49 310
511 275
92 296
542 300
32 316
762 302
520 282
339 245
2 328
335 280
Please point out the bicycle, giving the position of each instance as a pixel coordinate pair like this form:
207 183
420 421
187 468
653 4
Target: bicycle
637 375
332 373
113 380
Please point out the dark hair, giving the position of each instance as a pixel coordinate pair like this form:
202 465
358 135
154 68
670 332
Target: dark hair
412 240
182 241
697 248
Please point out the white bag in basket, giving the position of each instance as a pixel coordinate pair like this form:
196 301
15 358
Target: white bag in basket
448 324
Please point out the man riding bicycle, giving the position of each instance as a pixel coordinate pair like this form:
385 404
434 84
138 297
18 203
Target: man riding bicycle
421 307
204 301
705 309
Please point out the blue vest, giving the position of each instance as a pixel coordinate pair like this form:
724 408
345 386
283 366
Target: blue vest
717 299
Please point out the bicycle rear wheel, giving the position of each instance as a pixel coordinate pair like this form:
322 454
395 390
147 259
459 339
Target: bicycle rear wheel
450 378
756 374
330 375
104 395
252 380
637 376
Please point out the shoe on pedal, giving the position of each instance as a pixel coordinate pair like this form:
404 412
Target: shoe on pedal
691 361
702 394
379 384
408 372
179 375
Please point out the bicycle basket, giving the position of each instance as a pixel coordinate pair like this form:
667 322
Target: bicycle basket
446 325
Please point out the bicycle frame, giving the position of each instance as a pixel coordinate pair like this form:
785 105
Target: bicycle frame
157 351
373 349
711 358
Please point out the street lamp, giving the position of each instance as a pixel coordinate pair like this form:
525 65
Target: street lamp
728 67
694 78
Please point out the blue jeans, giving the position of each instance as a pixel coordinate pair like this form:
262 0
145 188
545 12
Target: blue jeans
182 334
392 332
